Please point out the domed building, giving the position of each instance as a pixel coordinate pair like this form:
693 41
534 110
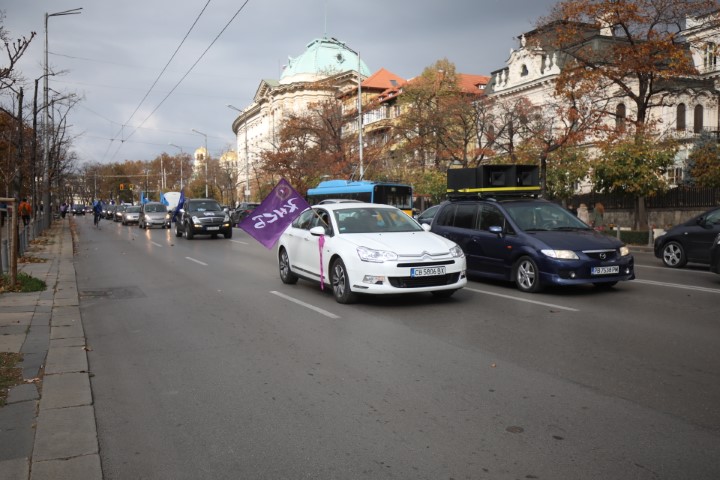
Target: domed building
323 58
325 66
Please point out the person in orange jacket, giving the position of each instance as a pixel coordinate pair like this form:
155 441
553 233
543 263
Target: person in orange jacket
25 210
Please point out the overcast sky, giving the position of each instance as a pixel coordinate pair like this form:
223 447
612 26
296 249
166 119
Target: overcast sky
113 51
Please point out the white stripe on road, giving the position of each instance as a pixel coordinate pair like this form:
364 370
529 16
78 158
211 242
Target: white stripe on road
678 285
238 241
551 305
306 305
676 270
156 244
196 261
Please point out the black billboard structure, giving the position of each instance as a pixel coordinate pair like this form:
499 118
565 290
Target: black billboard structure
494 179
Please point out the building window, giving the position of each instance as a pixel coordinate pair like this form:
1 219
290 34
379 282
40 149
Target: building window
620 117
675 175
680 121
698 119
710 60
524 71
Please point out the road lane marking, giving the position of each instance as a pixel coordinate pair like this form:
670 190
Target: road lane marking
674 270
678 285
196 261
306 305
156 244
238 241
551 305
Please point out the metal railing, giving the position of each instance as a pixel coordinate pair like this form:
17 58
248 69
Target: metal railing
680 197
26 234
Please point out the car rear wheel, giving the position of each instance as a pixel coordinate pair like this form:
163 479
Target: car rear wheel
286 274
189 232
673 255
527 275
341 283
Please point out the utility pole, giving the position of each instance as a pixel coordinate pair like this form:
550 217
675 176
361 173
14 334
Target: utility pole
47 208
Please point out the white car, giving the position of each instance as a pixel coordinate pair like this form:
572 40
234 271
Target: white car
369 248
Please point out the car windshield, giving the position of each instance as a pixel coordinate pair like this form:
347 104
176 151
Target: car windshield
132 209
155 208
544 216
374 220
204 206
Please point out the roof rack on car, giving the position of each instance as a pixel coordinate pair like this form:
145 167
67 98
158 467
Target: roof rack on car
487 181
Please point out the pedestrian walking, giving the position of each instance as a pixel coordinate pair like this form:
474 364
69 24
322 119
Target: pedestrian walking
63 209
598 216
583 213
25 211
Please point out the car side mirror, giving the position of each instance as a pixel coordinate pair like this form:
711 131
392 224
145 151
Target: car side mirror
318 231
425 227
496 229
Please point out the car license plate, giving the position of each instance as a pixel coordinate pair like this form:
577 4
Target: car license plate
427 271
605 270
213 228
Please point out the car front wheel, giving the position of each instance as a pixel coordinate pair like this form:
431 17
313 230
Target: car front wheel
527 275
178 232
341 283
286 274
673 255
189 232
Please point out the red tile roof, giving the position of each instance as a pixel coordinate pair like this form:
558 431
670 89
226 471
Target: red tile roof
383 79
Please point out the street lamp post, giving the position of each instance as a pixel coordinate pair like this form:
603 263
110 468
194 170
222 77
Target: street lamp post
182 154
47 209
206 161
247 158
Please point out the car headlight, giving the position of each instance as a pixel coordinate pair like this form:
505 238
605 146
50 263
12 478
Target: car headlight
624 251
377 256
456 251
560 254
227 218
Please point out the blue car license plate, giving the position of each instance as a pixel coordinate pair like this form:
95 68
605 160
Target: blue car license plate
605 270
427 271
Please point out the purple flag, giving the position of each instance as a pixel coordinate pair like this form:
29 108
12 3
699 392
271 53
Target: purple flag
270 219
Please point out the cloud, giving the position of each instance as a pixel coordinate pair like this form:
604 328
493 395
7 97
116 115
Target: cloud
113 52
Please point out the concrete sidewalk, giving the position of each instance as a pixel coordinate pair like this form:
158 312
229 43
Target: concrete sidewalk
47 427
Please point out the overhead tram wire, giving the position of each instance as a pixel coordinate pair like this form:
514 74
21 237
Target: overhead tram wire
169 61
162 72
186 73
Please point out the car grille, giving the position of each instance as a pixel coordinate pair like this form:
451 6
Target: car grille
601 254
211 221
426 264
416 282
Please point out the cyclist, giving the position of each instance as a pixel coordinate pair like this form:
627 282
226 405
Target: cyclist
97 213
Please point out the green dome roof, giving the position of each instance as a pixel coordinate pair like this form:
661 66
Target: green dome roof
323 57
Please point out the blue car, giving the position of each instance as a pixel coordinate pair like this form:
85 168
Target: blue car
532 242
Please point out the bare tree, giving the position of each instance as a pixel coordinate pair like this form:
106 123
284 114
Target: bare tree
14 50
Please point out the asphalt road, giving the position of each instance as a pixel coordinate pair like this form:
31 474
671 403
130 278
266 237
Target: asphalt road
205 366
